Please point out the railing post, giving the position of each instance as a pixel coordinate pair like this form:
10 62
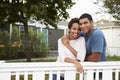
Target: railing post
5 76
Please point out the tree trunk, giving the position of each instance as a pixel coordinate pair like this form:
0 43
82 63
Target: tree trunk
27 43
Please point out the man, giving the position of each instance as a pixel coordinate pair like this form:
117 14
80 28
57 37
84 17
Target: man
95 40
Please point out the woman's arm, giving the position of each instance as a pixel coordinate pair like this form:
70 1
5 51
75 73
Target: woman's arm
81 49
65 41
61 50
77 64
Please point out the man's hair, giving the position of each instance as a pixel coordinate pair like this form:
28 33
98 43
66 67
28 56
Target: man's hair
86 15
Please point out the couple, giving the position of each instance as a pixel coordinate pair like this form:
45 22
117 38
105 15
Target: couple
84 43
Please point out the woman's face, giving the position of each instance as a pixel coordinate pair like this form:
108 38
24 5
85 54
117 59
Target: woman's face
74 31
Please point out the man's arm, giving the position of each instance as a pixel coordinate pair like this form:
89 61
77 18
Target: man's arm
94 57
65 41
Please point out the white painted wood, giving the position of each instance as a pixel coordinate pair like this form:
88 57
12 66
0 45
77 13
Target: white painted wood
58 75
107 74
5 76
17 76
116 75
89 75
70 75
38 70
81 76
97 74
39 75
26 76
2 61
50 75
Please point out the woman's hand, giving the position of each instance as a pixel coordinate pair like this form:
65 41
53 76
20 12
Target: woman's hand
78 66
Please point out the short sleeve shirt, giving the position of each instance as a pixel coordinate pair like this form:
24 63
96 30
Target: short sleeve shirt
96 42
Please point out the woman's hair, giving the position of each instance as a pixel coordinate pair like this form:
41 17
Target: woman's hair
72 21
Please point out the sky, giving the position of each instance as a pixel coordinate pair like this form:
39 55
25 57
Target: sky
87 6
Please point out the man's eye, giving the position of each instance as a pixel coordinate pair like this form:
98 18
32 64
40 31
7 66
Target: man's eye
85 22
80 23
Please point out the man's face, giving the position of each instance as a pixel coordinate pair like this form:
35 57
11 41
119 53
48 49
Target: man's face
86 25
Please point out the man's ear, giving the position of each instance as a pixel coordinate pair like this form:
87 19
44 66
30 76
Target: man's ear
91 21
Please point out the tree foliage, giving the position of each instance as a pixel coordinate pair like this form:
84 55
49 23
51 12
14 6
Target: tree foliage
45 11
113 7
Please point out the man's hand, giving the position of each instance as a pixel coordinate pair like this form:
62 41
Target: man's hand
65 40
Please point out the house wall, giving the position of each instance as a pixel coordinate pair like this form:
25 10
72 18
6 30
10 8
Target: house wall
53 36
112 35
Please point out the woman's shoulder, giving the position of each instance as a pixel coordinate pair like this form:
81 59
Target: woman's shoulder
59 40
81 38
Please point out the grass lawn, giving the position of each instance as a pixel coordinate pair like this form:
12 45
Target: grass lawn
113 58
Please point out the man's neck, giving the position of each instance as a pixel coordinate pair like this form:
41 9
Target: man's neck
90 31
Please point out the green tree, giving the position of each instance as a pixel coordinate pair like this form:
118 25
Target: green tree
46 11
113 7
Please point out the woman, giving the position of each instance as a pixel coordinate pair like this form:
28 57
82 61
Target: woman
72 48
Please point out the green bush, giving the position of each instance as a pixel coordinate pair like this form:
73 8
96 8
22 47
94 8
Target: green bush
9 50
12 50
39 48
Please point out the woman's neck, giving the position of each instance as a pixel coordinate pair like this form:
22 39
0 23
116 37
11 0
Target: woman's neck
72 38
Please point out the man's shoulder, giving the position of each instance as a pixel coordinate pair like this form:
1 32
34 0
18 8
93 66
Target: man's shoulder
97 32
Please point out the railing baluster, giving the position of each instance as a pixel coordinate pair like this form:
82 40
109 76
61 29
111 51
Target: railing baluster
107 74
89 75
81 76
116 74
58 75
70 75
26 76
17 76
50 75
97 74
38 75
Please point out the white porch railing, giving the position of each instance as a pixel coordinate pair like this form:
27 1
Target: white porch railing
44 71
